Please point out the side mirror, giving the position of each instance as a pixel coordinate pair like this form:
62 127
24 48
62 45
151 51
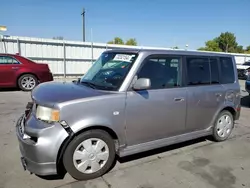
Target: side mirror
142 84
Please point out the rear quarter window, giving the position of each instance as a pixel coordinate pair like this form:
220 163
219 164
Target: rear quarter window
227 70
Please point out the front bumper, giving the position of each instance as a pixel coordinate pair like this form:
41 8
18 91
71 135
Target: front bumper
39 144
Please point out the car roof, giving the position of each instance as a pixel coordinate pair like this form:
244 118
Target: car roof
170 51
157 51
9 54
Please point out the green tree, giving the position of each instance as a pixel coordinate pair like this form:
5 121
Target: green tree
247 49
175 47
239 49
131 42
211 45
116 40
227 42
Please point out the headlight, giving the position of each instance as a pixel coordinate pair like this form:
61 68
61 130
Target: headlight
47 114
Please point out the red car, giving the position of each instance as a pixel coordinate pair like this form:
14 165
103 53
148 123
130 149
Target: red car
18 71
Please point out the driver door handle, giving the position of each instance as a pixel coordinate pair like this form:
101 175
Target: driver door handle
179 99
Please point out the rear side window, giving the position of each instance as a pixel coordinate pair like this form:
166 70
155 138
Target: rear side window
5 60
198 71
227 70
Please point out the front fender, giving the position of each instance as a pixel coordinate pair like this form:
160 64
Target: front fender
100 122
106 111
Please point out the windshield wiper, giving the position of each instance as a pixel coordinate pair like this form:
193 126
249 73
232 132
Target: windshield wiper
89 84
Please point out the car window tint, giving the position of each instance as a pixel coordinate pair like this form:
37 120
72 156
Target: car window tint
162 72
7 60
198 71
215 79
227 70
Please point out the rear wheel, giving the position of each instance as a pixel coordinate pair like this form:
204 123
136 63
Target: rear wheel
223 126
89 155
27 82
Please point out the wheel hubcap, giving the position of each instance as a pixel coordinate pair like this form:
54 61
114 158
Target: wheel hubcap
28 83
224 126
90 155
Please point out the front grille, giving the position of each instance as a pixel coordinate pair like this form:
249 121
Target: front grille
28 110
21 125
29 105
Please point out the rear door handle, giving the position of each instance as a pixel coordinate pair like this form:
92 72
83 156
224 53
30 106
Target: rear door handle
179 99
15 68
218 94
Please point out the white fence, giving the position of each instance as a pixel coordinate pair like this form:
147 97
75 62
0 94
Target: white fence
67 57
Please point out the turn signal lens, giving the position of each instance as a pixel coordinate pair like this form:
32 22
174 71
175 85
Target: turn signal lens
55 115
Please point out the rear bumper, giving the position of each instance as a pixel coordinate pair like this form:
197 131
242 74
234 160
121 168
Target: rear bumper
46 77
40 149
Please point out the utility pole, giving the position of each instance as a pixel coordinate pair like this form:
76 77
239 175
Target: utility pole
83 24
92 50
2 29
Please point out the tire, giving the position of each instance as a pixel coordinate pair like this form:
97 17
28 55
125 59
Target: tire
31 82
90 158
219 127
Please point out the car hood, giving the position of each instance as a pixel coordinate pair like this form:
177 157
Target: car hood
51 93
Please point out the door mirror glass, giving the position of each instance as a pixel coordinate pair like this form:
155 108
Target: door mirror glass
142 84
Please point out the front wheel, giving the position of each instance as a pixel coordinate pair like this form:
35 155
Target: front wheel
89 155
223 126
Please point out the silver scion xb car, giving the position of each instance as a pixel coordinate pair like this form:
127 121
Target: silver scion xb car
128 102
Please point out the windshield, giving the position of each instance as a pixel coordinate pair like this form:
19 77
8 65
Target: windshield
109 71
